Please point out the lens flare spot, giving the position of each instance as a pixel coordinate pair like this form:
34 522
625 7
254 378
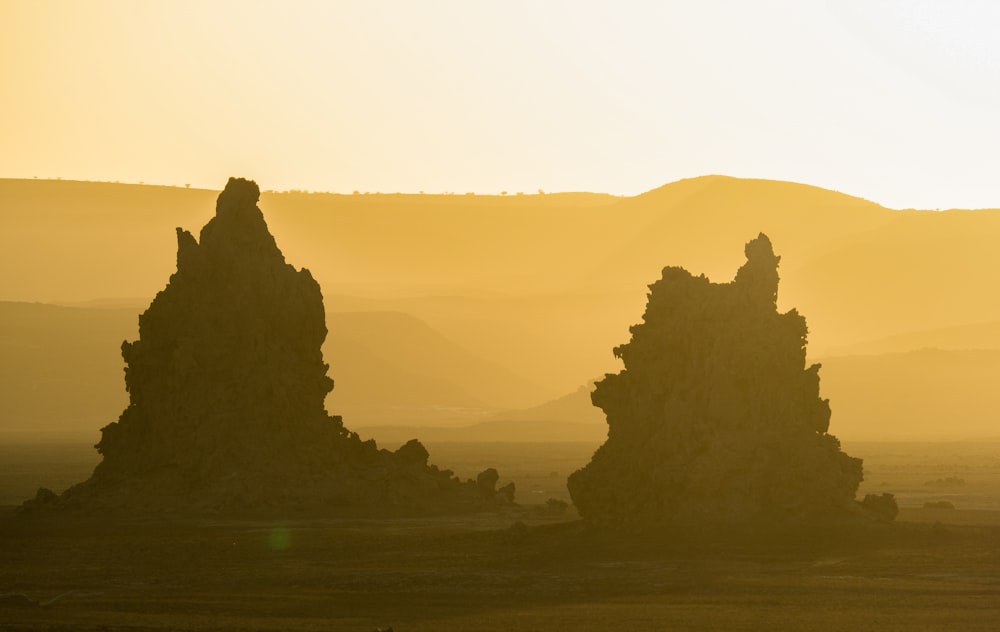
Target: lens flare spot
279 539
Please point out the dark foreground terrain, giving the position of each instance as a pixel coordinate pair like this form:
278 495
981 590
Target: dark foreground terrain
484 574
935 569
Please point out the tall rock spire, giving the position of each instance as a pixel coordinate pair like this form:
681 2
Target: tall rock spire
226 391
228 353
716 417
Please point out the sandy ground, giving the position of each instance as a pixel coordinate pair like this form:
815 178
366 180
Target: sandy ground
934 569
490 573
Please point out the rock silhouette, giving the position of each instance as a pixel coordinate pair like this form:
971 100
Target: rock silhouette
226 391
715 418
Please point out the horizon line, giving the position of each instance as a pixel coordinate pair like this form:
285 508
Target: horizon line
502 194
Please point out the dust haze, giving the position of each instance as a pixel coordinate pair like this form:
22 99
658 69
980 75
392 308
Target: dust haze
469 395
479 306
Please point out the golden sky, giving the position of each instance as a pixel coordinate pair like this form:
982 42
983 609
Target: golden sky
895 101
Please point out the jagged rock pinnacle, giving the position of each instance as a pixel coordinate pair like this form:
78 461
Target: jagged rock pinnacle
229 349
226 391
716 417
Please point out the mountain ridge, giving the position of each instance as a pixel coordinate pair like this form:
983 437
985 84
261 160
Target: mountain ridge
532 283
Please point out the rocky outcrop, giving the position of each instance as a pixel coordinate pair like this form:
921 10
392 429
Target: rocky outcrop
716 419
226 391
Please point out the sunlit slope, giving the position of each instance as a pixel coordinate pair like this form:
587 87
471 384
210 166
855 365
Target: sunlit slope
575 407
961 337
502 432
394 244
61 367
62 370
120 239
64 241
557 341
701 224
390 366
923 270
541 286
374 390
926 394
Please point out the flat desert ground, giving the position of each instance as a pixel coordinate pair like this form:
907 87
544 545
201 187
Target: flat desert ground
523 569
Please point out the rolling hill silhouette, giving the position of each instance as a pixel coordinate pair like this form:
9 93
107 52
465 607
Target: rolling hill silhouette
66 241
61 367
956 338
701 221
391 367
63 370
922 270
928 393
529 291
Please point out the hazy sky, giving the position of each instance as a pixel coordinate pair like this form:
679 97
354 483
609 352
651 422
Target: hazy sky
895 101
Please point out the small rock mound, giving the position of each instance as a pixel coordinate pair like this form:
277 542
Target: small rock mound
716 419
226 391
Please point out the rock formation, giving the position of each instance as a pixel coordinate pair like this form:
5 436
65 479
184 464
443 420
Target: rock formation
715 418
227 385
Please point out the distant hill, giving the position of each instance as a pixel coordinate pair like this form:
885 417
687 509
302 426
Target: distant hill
701 224
389 366
489 432
395 376
556 341
65 241
923 270
62 370
925 394
535 290
61 367
392 245
855 269
575 408
957 338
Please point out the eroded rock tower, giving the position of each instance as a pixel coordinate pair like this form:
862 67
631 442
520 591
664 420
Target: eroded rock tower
716 419
226 391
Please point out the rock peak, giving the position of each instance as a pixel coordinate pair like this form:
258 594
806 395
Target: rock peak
715 418
239 192
759 275
238 230
226 388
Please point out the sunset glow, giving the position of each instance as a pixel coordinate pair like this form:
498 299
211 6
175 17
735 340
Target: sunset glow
892 101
